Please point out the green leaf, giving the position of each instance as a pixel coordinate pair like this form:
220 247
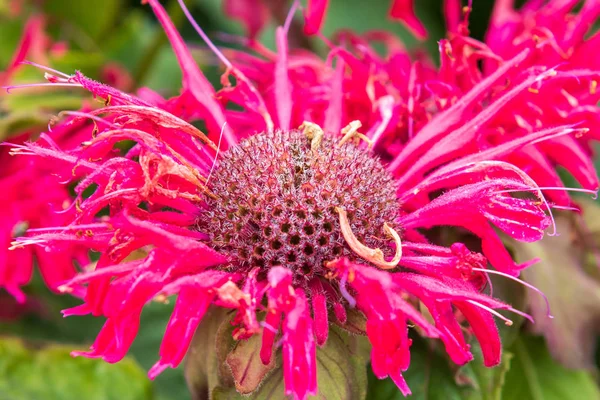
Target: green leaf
77 333
10 32
32 373
535 375
16 123
171 383
342 366
246 366
87 19
31 111
574 296
353 15
341 373
432 376
487 382
49 101
164 74
205 366
356 322
429 377
88 62
512 293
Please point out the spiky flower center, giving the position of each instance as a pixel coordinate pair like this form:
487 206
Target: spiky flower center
275 202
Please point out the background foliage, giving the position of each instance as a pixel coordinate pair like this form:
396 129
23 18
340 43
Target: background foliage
101 33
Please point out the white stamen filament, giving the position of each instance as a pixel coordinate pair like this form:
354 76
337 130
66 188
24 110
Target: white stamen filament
594 193
35 85
522 282
507 321
43 67
212 167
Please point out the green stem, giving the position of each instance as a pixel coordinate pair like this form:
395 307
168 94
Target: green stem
529 370
159 39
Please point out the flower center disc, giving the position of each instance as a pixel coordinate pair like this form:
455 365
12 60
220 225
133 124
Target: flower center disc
276 198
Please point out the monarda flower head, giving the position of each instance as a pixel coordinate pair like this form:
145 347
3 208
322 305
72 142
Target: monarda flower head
300 205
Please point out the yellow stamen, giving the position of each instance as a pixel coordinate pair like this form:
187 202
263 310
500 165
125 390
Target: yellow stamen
314 133
350 131
375 256
65 289
161 298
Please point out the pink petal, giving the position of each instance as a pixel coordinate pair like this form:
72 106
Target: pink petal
191 306
194 81
254 14
319 306
271 326
299 351
314 16
485 330
403 10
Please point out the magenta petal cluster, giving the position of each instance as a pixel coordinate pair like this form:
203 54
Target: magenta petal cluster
536 59
314 189
34 199
32 194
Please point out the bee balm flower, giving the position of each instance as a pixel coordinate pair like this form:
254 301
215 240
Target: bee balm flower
291 224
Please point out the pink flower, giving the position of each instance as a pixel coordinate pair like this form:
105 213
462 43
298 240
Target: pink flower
285 208
33 198
536 59
31 195
256 14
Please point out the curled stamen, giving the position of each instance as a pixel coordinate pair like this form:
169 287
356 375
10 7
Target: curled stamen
375 256
522 314
490 284
522 282
593 193
350 131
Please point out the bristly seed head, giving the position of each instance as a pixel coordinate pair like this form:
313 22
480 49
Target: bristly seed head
275 203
